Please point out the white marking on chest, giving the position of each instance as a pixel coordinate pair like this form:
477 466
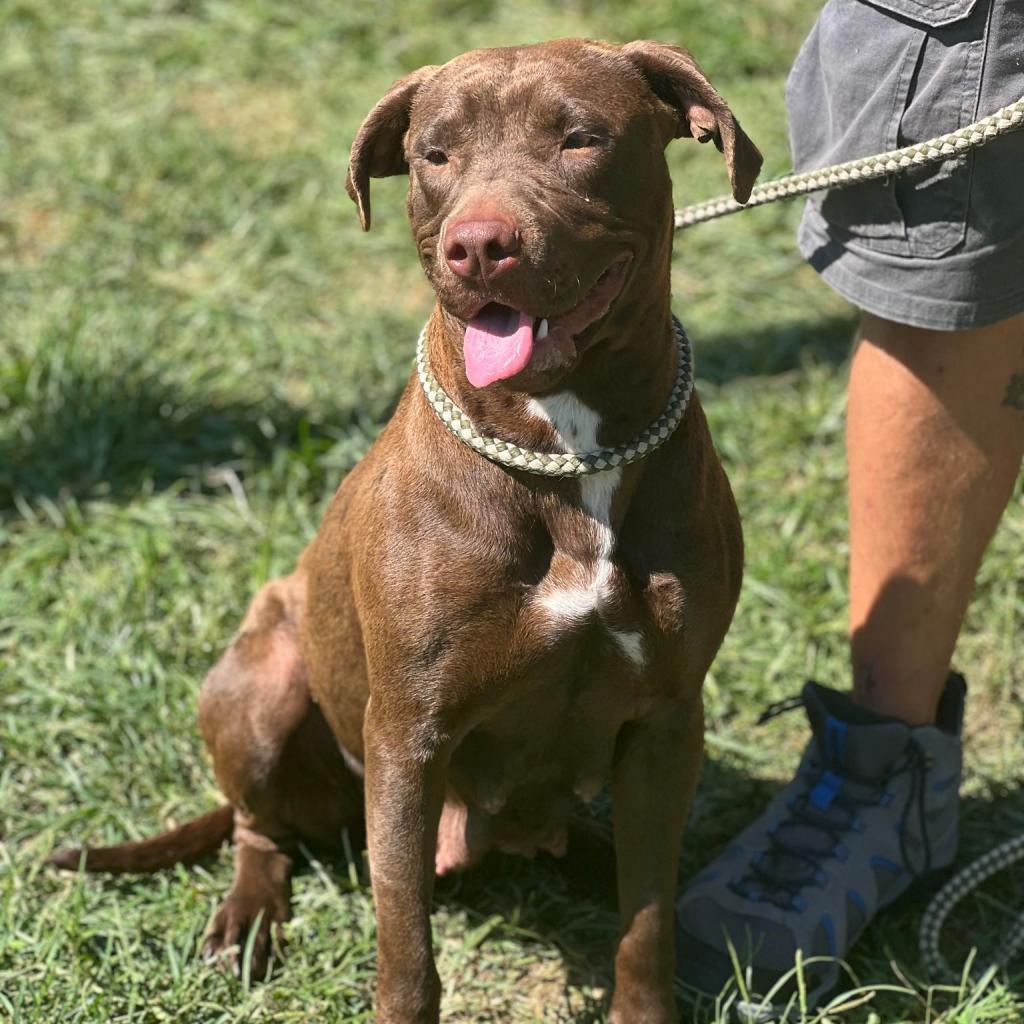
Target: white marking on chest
576 426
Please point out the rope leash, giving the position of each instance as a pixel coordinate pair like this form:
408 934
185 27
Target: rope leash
561 464
955 891
855 172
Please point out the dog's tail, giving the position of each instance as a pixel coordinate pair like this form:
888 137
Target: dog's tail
183 845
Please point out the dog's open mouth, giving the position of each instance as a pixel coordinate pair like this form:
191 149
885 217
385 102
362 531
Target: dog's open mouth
501 342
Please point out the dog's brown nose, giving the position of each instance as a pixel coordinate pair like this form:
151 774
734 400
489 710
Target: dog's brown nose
481 248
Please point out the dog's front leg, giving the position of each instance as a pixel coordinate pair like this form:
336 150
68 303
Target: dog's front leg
654 780
404 796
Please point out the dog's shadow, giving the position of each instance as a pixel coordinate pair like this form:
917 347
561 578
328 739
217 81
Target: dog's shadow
571 902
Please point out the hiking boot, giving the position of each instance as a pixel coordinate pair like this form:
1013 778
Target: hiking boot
873 807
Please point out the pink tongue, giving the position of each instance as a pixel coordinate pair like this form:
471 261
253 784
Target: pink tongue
498 344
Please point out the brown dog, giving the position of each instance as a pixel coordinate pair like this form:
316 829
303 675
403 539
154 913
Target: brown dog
469 644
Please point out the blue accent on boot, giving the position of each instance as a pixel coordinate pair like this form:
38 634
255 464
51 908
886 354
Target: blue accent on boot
826 790
835 739
890 865
830 933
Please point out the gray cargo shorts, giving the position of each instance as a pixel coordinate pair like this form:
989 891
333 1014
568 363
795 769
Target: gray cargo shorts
939 247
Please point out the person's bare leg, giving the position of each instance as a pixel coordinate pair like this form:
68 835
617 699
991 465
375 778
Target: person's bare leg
935 437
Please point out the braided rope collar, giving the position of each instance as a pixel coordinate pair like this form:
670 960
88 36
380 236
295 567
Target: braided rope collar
562 464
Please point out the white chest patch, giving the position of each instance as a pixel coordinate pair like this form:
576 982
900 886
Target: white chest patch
576 426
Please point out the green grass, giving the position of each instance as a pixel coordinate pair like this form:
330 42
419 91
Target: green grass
196 343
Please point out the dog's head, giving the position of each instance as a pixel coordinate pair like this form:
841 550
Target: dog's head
539 195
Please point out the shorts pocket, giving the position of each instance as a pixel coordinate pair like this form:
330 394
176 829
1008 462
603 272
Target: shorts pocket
846 94
934 200
933 13
867 82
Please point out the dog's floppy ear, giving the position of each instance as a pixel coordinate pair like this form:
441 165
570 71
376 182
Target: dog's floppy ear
677 80
377 151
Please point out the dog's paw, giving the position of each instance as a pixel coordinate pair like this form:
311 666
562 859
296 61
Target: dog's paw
245 937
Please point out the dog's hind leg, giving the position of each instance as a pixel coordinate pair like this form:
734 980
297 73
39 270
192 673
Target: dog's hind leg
278 763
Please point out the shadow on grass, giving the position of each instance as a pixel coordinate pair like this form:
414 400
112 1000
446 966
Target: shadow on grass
114 435
571 902
113 439
776 348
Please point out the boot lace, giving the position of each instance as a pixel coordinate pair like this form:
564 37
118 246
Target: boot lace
822 816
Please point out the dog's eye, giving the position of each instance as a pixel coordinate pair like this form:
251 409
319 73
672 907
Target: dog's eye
437 157
580 140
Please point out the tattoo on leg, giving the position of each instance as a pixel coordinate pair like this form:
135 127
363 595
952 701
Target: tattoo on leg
1015 392
864 682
